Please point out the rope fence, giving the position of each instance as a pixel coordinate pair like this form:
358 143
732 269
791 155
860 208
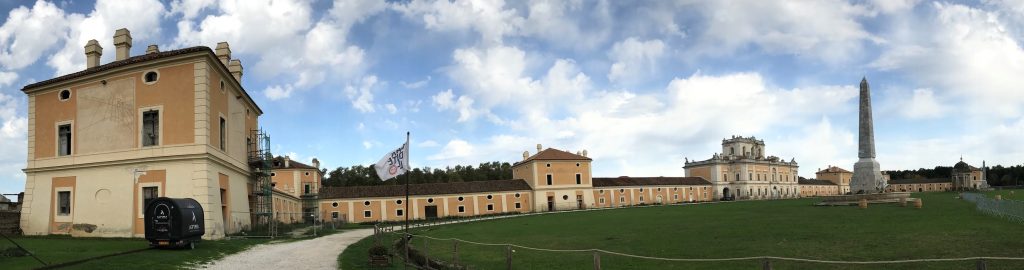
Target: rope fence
1009 209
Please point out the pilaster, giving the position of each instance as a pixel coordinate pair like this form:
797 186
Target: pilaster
202 103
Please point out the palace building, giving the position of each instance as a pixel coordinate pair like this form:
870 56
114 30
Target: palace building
742 171
963 176
105 140
549 180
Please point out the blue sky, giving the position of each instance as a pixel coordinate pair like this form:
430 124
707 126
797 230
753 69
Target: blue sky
641 85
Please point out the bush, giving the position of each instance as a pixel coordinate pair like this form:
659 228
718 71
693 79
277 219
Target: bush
378 251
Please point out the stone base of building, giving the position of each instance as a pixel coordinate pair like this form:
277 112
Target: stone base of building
892 197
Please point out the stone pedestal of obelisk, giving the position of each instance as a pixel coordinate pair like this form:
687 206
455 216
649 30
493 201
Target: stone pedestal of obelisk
867 176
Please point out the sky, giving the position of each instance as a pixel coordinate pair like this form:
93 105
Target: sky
641 85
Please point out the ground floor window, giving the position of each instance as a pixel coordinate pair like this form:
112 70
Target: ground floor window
602 200
399 212
334 215
367 213
490 207
518 206
462 209
63 203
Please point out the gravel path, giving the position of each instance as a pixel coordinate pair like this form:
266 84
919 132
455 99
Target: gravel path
317 253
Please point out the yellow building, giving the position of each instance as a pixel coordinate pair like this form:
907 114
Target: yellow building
963 176
296 185
967 177
104 140
838 176
819 187
549 180
742 171
919 185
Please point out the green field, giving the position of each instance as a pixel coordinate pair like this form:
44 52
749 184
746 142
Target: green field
945 228
57 249
1007 195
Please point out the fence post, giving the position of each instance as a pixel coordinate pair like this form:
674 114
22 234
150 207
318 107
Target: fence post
597 260
767 265
426 254
406 236
508 260
980 265
455 252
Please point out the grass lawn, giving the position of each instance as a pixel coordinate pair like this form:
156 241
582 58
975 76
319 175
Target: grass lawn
944 228
1018 194
58 249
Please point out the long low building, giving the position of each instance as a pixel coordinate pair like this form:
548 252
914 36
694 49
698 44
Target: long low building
549 180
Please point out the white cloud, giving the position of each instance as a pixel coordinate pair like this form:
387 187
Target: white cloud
416 84
454 150
28 32
827 31
7 78
634 59
189 9
13 129
488 18
367 144
446 101
391 108
428 144
361 95
965 56
284 38
108 15
923 104
277 92
894 6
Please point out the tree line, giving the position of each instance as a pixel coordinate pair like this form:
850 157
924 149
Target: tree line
359 175
997 175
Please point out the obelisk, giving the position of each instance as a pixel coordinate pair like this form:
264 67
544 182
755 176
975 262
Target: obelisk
867 176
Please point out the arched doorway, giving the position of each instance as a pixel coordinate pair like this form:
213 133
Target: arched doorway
725 193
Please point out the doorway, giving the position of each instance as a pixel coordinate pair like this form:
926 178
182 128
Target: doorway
431 211
579 201
551 203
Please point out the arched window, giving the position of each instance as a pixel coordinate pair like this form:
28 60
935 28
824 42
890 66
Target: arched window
737 177
732 150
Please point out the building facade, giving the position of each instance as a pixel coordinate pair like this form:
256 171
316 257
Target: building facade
742 171
819 187
549 180
963 176
105 140
838 176
299 185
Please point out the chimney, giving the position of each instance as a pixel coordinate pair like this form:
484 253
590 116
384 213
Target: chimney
538 148
235 67
93 51
584 152
152 48
287 161
526 154
316 163
223 52
123 43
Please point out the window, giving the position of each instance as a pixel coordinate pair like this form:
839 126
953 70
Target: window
334 215
307 188
518 205
462 209
622 199
151 128
64 95
577 164
601 191
725 177
579 179
223 133
430 200
398 202
366 203
641 198
399 212
549 165
335 205
222 86
490 207
517 195
64 140
659 189
367 214
150 193
461 198
273 174
307 173
602 200
549 180
565 197
63 203
489 197
151 77
675 196
622 190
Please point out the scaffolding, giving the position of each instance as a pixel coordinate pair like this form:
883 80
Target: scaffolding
261 161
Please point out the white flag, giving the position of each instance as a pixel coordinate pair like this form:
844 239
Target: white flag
394 163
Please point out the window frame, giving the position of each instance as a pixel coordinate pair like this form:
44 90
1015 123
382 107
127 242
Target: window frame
461 209
367 213
62 99
71 138
59 206
550 179
223 133
579 178
154 71
159 126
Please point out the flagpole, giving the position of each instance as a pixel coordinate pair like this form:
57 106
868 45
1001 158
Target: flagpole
407 173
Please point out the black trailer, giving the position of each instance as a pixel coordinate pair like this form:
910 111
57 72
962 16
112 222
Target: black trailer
174 222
